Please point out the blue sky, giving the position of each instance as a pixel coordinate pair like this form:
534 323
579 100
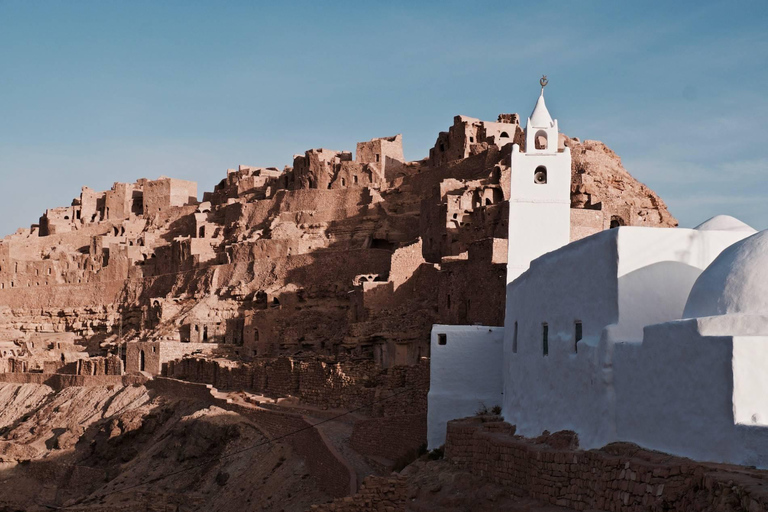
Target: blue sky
97 92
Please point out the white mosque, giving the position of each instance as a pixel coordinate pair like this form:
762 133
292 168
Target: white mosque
656 336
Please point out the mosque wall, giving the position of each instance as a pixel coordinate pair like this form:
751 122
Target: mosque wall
578 308
465 375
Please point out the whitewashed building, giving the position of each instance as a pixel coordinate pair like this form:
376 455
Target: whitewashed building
656 336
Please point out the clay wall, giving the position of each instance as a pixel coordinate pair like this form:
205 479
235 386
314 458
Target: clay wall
110 365
161 194
316 168
122 201
157 353
385 153
91 205
355 175
586 222
391 437
473 290
619 477
387 494
395 391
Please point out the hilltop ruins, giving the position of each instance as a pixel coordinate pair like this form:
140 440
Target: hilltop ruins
310 288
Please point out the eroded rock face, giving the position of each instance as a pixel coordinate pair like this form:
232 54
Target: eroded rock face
599 178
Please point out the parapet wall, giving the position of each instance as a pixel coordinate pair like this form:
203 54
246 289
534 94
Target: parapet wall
620 477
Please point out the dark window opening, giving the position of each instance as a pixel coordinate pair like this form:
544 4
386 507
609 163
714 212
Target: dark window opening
205 333
540 175
78 214
442 147
471 139
540 140
141 360
442 339
504 135
514 339
354 179
202 232
545 338
382 243
255 335
378 157
577 337
343 182
449 301
66 217
488 202
617 221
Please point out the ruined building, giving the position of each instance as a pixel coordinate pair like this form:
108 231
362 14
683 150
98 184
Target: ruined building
338 257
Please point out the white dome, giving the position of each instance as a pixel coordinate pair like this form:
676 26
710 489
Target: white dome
736 282
724 223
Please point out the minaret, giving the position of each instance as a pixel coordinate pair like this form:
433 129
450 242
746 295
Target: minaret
540 196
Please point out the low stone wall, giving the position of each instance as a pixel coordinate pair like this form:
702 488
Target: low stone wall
396 391
376 493
391 437
110 365
60 381
620 477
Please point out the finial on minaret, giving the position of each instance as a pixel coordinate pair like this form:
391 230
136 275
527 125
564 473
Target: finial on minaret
543 81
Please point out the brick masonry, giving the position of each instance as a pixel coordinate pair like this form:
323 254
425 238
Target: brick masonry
391 437
620 477
396 391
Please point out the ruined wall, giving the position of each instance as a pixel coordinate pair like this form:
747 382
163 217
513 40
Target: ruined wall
619 477
391 437
344 385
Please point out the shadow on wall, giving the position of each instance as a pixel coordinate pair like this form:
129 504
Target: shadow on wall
653 294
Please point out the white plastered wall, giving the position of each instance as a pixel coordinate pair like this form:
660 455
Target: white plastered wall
465 375
692 395
614 282
566 389
539 214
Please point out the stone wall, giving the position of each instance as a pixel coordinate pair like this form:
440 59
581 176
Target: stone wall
356 384
392 437
620 477
110 365
376 493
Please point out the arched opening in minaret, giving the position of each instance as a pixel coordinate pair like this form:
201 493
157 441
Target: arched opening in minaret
540 139
540 175
617 221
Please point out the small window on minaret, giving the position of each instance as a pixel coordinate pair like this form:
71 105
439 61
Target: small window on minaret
545 338
540 175
540 139
442 339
